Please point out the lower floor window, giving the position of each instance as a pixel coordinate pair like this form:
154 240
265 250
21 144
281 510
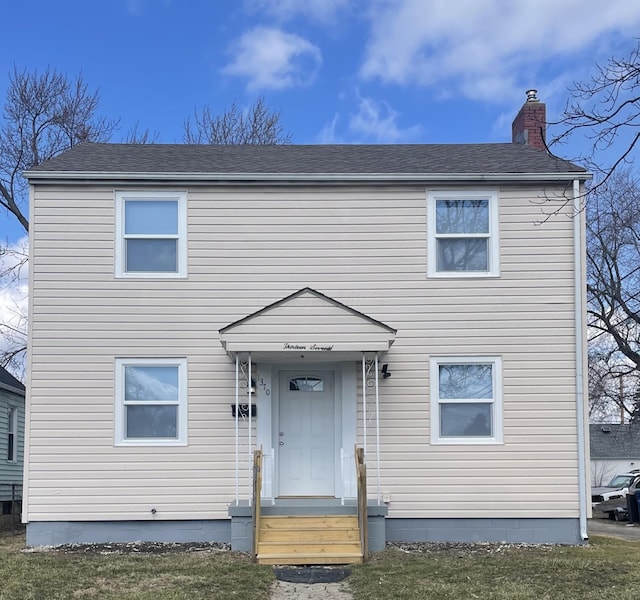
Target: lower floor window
151 401
12 446
466 399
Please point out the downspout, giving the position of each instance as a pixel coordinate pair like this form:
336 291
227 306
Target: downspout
237 432
578 263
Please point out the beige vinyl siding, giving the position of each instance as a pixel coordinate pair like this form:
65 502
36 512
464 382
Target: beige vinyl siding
247 248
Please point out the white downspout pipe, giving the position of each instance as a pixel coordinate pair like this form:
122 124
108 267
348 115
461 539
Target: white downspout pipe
378 492
237 433
250 462
578 242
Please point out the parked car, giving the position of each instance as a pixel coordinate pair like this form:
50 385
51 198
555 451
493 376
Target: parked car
618 487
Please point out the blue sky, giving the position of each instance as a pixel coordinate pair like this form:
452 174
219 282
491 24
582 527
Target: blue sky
353 71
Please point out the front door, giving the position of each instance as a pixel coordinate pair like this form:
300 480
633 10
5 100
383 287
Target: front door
306 434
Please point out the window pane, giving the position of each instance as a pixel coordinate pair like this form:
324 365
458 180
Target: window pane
465 420
462 254
465 381
152 421
158 256
306 384
151 383
462 216
151 216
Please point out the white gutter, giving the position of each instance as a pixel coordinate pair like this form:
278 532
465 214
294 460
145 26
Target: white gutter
578 242
83 176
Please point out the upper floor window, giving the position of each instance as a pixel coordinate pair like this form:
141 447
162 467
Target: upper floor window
466 400
151 402
151 234
12 437
462 234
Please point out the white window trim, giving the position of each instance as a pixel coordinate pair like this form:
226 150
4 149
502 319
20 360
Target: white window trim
120 413
497 402
120 246
12 430
494 240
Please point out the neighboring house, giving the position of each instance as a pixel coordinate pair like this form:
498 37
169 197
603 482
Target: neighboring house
11 440
423 302
615 448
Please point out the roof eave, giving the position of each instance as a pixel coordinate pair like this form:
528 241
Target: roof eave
304 177
12 389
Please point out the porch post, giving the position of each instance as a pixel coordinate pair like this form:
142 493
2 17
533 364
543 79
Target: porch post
237 432
364 403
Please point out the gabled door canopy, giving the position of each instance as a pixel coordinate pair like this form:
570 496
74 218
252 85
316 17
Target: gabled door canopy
307 324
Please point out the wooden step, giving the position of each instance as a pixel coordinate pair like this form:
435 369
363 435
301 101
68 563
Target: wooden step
311 559
346 534
309 539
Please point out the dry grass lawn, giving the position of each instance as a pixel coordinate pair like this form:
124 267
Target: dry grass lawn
607 568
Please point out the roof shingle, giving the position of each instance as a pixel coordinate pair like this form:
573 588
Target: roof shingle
305 159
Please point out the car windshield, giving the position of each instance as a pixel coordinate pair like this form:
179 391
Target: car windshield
620 481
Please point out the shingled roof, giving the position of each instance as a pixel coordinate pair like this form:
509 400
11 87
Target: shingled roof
10 383
614 441
392 160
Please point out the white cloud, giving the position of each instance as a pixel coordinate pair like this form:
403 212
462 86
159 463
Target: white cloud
136 7
373 121
484 49
270 58
377 122
328 133
285 10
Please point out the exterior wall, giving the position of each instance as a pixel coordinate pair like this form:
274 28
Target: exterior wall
10 471
363 246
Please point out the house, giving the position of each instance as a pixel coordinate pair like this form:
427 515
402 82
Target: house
614 448
191 305
12 394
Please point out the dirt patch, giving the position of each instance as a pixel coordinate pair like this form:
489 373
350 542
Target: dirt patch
463 549
137 548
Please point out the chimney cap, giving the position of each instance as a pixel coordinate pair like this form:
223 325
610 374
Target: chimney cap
531 96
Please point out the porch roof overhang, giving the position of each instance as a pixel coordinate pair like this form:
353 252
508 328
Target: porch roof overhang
307 325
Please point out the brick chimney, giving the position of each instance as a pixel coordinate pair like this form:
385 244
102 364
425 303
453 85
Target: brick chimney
530 126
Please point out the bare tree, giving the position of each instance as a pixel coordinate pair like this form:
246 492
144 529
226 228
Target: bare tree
256 125
613 292
43 115
613 386
606 109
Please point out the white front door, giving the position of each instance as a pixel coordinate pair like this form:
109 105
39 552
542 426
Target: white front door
306 434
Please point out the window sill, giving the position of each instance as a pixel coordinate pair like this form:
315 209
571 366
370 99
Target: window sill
467 442
151 276
150 443
463 275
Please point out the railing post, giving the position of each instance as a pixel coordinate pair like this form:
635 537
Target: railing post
361 473
257 491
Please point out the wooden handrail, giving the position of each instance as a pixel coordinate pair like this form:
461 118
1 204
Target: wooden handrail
361 477
257 491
